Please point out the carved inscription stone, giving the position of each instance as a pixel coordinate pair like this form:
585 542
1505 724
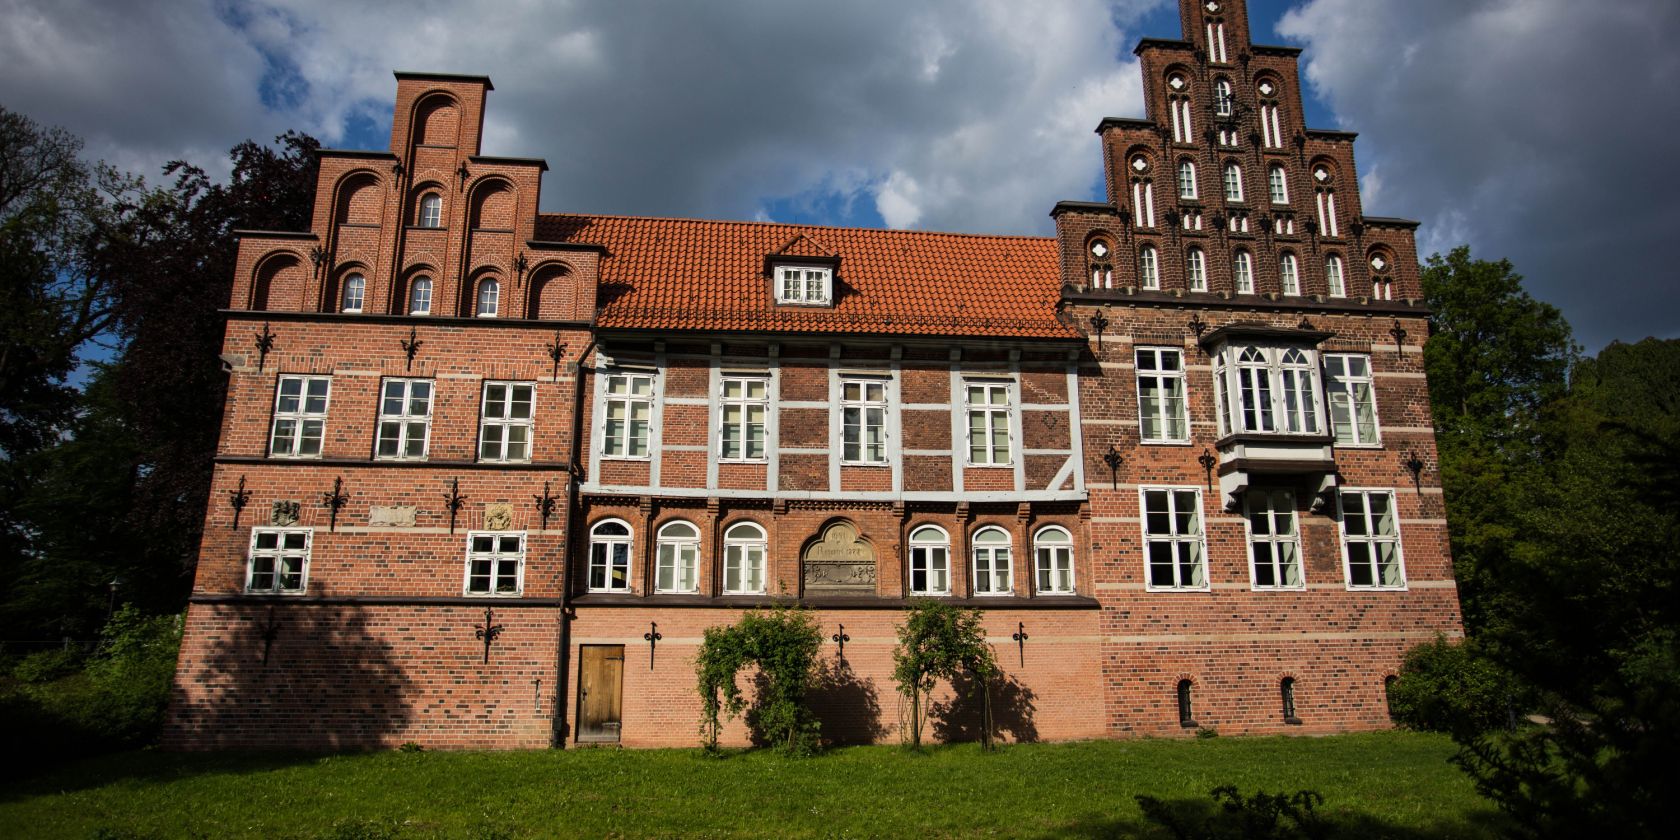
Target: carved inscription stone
392 517
498 516
839 563
285 512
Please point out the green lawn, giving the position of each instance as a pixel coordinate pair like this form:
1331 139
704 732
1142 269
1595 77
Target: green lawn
1392 784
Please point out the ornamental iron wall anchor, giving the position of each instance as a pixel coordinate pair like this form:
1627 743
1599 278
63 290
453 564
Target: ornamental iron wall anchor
556 353
265 343
1197 325
520 264
396 175
1414 465
1207 461
454 501
239 499
652 637
270 630
464 173
1020 638
488 631
840 639
411 345
1113 459
545 505
335 500
1099 323
1399 334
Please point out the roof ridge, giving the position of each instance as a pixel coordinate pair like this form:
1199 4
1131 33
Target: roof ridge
801 226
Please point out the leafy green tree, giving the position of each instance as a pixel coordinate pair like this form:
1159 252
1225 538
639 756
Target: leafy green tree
1496 358
783 644
939 641
1589 610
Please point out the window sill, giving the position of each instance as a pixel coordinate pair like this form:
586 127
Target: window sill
745 461
1257 588
989 466
1178 589
1400 588
258 593
838 602
642 458
1147 442
1367 446
875 464
492 595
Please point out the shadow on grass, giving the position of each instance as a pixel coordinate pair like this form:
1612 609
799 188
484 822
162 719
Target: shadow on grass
1202 819
148 767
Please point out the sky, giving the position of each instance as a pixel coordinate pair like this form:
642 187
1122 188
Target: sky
1535 130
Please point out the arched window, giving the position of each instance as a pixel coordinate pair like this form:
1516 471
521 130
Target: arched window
1289 274
1388 693
930 561
1223 102
1243 272
1187 180
1185 719
993 573
1102 265
1279 185
1053 556
431 210
1233 182
1143 193
1333 276
420 296
1287 690
609 556
744 551
1196 261
489 298
1300 392
679 558
355 290
1326 195
1148 270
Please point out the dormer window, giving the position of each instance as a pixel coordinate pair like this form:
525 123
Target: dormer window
809 285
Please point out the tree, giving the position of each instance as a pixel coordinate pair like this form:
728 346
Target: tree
939 641
1589 612
1495 358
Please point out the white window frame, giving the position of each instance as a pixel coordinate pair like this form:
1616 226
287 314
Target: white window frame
992 414
1149 268
743 427
417 305
1289 274
680 555
1371 540
1269 126
353 297
300 416
1196 263
495 557
1277 182
804 285
742 552
1346 386
1143 202
1233 182
1196 541
405 419
994 553
1224 98
431 210
610 553
1278 503
1270 380
1060 556
275 554
931 555
1242 273
624 442
1335 276
1165 415
856 452
488 302
505 423
1187 180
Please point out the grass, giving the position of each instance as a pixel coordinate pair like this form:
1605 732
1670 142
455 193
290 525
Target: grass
1391 784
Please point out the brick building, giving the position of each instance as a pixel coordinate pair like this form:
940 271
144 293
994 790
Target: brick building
486 474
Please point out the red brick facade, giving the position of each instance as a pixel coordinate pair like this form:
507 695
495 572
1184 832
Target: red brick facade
680 422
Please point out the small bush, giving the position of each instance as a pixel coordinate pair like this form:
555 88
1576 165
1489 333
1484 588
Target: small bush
1447 687
49 665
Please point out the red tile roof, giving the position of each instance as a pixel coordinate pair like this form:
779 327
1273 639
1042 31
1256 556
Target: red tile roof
698 275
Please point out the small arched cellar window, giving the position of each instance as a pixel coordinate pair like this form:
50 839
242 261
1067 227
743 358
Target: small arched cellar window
420 296
1388 694
355 293
489 298
1185 718
1286 690
431 211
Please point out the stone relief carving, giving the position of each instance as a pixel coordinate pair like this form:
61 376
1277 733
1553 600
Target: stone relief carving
498 516
839 563
285 512
400 517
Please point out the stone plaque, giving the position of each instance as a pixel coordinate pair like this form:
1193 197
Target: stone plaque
839 563
285 512
388 517
498 516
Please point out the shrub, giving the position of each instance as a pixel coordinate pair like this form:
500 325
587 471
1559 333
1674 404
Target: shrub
783 644
49 665
1448 687
939 641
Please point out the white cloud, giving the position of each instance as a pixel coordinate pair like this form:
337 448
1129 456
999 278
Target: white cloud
1531 130
898 200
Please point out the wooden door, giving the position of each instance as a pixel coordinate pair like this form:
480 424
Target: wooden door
600 692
